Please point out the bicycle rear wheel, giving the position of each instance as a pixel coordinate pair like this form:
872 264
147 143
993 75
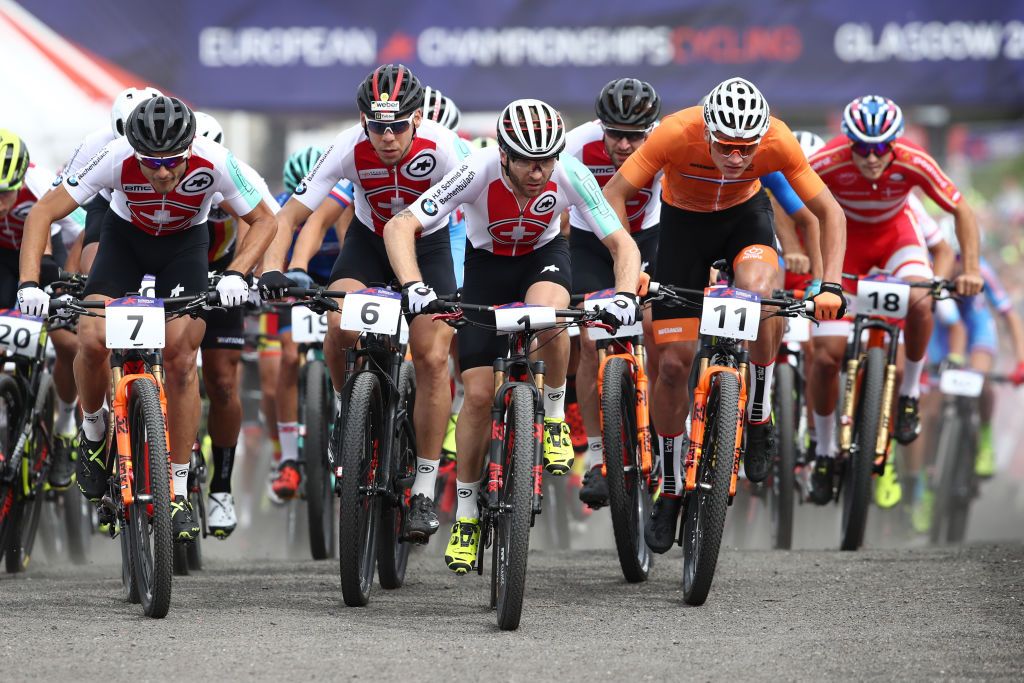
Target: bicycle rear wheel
704 511
860 462
149 516
955 464
783 484
512 520
316 411
10 415
392 551
360 506
628 498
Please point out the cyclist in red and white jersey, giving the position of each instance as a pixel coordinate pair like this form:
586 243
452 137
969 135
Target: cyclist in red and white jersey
513 197
391 156
163 180
871 170
627 110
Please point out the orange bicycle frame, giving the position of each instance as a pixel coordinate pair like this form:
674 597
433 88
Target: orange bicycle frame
643 417
697 425
122 436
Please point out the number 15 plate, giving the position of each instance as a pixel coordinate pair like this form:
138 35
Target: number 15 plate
135 322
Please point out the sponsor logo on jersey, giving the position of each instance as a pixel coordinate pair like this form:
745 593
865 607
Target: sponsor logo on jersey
373 173
421 165
91 165
516 231
20 212
300 188
847 177
72 181
138 188
602 170
161 214
896 176
197 183
545 203
429 207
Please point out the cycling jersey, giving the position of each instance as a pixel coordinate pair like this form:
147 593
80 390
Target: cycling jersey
12 225
871 202
321 263
212 169
496 223
780 188
382 191
86 150
586 143
223 226
691 180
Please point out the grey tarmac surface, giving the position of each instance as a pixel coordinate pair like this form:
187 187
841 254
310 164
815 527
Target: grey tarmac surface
894 614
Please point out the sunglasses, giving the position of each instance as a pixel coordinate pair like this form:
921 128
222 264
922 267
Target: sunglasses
727 149
630 135
382 127
866 149
155 163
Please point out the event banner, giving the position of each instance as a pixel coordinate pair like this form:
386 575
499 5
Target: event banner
309 55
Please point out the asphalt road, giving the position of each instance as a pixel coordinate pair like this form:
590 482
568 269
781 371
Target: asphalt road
904 613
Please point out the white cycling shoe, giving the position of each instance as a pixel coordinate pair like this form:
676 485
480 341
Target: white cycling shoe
221 515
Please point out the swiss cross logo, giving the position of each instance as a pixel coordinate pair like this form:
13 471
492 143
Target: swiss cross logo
160 214
517 231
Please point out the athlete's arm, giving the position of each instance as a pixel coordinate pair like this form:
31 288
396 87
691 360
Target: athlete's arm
262 227
293 214
626 260
311 236
833 234
618 191
400 241
970 281
943 259
53 206
73 263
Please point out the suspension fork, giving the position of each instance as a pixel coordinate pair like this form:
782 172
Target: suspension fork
495 464
537 367
877 338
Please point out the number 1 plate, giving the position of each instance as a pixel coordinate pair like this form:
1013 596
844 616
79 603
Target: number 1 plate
19 333
730 312
513 317
135 322
372 310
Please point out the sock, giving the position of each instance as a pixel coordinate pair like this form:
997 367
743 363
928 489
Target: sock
459 398
288 433
65 424
759 403
94 426
275 450
426 477
672 448
337 401
180 479
911 385
223 463
554 402
595 451
467 508
825 428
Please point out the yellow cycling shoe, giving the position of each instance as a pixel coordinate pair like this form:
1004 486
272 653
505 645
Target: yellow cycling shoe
888 491
921 513
448 446
985 462
558 451
460 555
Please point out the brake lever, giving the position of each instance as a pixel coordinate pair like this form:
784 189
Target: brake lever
454 318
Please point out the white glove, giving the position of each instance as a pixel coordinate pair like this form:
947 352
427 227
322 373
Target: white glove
947 312
623 308
33 301
419 296
233 289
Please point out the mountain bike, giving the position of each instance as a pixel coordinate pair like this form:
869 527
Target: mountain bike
729 317
188 557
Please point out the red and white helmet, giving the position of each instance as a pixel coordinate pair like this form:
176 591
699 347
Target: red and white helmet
125 103
737 109
531 129
872 119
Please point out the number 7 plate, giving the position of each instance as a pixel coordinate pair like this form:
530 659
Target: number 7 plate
372 310
135 322
730 312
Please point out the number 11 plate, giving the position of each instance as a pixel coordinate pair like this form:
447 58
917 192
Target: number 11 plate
135 322
730 312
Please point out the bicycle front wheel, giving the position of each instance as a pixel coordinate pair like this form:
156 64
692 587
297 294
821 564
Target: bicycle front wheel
628 496
360 505
512 520
783 484
704 511
149 516
861 461
392 551
317 409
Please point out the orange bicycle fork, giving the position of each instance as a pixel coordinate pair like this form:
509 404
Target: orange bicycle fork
635 359
121 384
698 415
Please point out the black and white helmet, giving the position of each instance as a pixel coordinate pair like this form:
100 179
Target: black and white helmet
125 103
440 108
809 142
161 125
628 102
736 109
209 127
531 129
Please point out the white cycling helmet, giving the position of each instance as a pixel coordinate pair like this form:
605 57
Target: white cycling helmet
440 108
208 127
809 142
531 129
737 109
125 103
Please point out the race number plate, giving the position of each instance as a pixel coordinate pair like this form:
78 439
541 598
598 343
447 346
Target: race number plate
961 383
731 313
596 301
135 322
372 310
308 327
19 333
884 296
798 330
514 317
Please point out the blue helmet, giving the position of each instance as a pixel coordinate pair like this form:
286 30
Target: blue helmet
872 119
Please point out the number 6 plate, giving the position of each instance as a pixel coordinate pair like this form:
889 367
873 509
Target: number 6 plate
731 313
19 333
883 296
372 310
135 322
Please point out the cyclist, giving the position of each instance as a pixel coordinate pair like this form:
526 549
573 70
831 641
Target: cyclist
513 197
222 345
872 169
316 249
22 183
163 181
391 156
713 207
440 108
627 110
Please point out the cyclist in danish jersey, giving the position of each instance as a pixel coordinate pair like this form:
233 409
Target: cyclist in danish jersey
713 206
164 180
513 197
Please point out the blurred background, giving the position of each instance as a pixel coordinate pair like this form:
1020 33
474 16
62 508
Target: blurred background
280 75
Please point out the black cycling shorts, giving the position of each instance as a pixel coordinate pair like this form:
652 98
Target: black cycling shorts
491 280
95 212
126 253
9 268
593 268
692 241
364 258
225 329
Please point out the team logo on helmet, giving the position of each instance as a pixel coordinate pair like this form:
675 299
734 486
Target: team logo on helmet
385 108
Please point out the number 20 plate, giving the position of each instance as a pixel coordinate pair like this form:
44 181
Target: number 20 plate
135 322
372 310
730 312
19 333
